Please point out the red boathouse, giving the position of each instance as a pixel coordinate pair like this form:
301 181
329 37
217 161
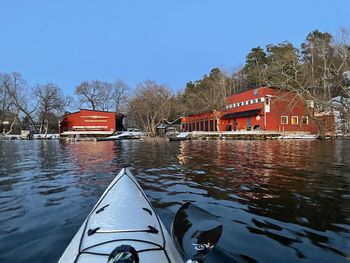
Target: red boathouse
91 122
263 108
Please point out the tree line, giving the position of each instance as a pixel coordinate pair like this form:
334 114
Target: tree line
318 71
40 108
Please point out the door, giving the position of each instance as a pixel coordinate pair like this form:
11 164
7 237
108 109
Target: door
249 124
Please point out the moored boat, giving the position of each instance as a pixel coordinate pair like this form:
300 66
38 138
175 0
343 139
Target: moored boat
183 136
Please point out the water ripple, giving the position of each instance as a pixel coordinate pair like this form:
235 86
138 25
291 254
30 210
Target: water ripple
276 199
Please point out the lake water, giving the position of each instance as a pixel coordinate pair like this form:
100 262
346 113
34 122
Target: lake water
279 201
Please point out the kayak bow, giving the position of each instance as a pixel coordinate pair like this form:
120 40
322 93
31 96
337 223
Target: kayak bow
124 222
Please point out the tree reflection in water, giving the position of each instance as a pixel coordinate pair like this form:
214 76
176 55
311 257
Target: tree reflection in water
277 200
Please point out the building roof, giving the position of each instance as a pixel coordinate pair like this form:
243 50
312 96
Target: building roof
69 113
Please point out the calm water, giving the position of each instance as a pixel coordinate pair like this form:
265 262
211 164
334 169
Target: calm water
278 200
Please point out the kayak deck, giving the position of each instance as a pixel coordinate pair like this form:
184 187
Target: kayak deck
122 216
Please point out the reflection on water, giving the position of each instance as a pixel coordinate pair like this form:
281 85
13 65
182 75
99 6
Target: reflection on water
276 199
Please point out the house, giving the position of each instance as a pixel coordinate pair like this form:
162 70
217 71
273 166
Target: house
263 108
90 123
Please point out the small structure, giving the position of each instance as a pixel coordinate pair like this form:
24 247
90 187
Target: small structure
91 123
161 129
264 108
26 134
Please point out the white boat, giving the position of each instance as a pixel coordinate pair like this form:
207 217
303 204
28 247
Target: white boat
182 136
122 136
123 221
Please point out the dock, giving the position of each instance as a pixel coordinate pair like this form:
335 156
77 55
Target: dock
249 135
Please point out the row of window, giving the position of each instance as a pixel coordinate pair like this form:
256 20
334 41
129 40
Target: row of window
294 120
200 125
243 103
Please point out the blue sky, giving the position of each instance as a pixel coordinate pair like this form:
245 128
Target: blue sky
172 42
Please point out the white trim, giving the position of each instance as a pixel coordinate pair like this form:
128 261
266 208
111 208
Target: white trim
244 103
284 117
307 120
291 120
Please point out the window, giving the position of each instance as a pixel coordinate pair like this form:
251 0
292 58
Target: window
304 120
262 99
310 103
294 120
259 100
284 119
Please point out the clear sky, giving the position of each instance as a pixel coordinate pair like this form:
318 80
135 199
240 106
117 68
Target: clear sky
170 41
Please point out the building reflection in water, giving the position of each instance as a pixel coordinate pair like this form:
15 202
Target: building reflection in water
276 199
290 190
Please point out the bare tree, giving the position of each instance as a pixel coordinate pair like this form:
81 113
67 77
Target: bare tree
315 75
207 94
52 104
119 95
151 106
18 92
95 95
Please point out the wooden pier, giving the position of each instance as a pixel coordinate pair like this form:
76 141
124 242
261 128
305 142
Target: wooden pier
248 135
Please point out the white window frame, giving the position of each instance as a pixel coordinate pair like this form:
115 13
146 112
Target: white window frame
291 120
307 120
286 118
262 99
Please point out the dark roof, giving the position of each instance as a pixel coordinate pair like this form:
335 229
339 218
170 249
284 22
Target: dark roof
241 114
69 113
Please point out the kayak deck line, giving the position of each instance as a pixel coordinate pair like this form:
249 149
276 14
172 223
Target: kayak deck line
106 255
150 229
125 239
101 209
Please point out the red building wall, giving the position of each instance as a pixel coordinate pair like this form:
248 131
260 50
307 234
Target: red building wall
200 122
281 104
89 120
288 105
248 110
245 98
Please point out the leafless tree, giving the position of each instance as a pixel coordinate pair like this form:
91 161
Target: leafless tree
52 104
207 94
19 95
95 95
119 95
151 106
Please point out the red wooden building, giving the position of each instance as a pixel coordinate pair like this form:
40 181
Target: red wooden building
263 108
91 122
